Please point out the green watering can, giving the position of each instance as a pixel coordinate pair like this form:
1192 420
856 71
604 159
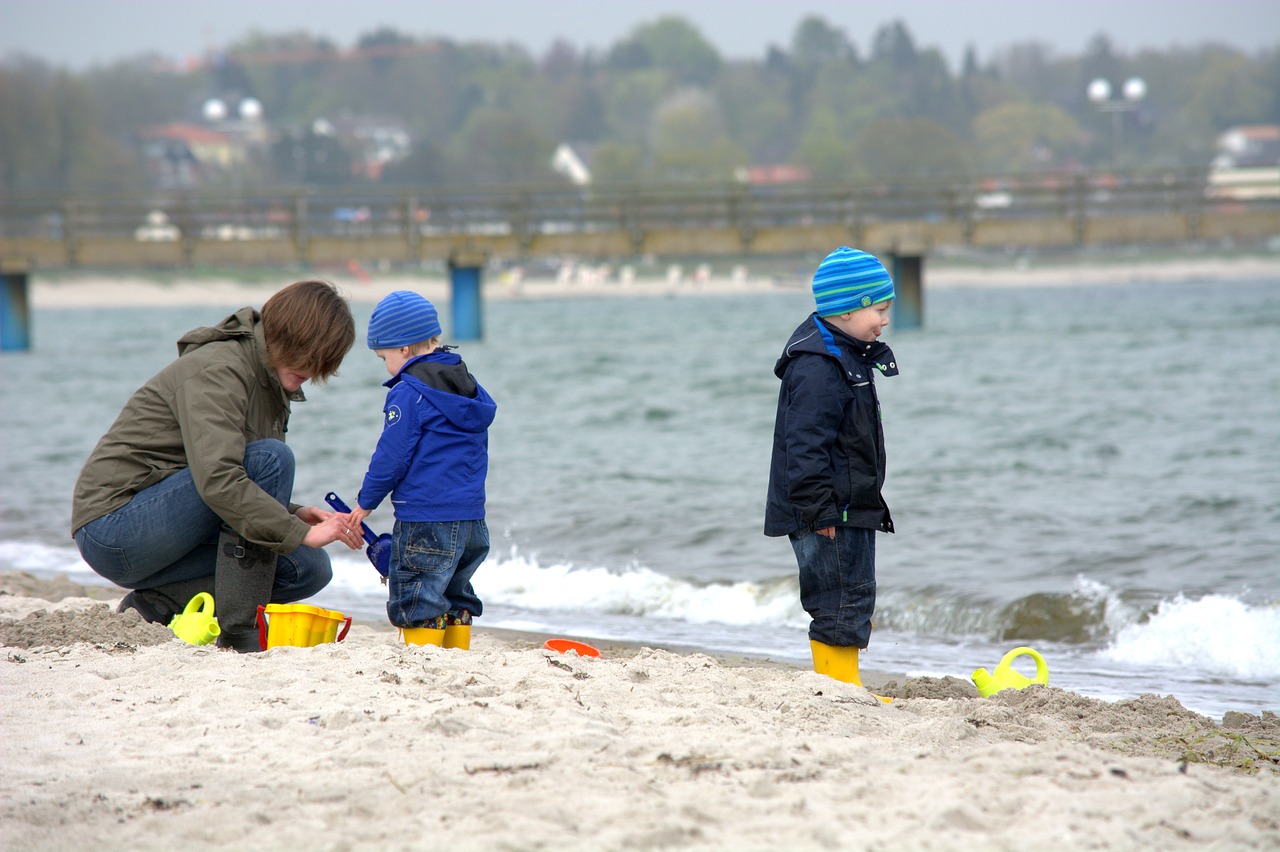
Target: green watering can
1007 677
196 624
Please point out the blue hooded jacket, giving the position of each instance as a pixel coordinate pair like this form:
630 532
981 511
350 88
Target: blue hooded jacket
828 462
433 454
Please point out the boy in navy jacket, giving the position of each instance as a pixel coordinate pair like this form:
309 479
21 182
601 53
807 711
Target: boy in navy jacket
828 463
432 458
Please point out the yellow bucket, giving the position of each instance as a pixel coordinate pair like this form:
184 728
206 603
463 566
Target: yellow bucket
299 625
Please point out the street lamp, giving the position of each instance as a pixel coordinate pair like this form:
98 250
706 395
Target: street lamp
1132 93
244 128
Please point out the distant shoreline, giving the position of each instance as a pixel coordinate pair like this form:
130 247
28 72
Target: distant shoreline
177 288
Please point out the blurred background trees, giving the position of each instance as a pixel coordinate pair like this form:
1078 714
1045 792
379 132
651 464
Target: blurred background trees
660 104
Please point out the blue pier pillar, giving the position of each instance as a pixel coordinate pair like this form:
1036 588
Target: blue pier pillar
908 287
15 311
465 273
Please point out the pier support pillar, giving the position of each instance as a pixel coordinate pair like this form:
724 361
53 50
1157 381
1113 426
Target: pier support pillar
908 286
15 309
465 274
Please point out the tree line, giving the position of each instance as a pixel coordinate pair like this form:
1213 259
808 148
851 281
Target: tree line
659 105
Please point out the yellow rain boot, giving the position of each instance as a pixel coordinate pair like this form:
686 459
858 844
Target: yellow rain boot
457 631
422 636
838 663
457 636
431 633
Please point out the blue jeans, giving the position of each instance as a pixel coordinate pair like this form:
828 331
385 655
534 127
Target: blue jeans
167 534
838 584
432 563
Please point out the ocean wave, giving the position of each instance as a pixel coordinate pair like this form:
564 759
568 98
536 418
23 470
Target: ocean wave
40 558
1215 633
520 581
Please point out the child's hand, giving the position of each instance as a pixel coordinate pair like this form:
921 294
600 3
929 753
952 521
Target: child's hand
357 517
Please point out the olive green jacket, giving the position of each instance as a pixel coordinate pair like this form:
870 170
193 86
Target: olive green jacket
198 413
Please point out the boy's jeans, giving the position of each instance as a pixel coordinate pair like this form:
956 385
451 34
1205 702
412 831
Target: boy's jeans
166 534
838 584
432 563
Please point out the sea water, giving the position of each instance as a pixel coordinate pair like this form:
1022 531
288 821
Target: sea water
1091 471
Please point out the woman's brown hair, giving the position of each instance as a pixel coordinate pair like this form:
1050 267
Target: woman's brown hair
308 326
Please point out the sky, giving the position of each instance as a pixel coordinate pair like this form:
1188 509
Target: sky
79 34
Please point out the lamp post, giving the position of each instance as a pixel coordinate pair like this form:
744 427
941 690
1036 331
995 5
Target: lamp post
1131 94
244 129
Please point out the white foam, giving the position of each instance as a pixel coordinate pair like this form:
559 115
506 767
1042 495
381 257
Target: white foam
1216 634
521 582
46 559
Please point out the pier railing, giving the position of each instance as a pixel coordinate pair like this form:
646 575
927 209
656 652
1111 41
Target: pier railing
263 228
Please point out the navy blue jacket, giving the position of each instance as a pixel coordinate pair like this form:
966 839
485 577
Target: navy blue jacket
433 454
828 442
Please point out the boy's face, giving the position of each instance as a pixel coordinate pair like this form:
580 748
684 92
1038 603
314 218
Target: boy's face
864 323
395 359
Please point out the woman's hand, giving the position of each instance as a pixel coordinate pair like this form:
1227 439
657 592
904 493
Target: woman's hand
312 515
328 527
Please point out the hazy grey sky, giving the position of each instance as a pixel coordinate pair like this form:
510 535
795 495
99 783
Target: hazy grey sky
80 33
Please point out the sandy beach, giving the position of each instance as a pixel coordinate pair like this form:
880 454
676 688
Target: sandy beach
89 289
116 735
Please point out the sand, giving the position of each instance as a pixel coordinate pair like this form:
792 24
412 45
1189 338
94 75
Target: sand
118 736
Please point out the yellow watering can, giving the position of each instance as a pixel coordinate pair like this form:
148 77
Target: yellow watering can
1007 677
196 624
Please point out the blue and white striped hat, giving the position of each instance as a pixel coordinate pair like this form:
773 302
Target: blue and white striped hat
849 279
402 318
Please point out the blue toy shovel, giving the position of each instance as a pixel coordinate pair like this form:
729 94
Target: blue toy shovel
379 549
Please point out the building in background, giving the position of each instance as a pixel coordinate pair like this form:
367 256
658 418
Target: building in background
1247 165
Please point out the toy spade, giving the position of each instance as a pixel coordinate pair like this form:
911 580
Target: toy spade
379 549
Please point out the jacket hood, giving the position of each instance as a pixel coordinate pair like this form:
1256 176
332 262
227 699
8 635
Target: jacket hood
815 337
443 379
240 324
245 325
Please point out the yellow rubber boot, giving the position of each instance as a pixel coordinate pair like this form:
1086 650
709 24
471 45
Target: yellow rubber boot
457 636
422 636
838 663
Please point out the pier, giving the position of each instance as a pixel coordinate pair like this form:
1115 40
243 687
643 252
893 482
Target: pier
465 227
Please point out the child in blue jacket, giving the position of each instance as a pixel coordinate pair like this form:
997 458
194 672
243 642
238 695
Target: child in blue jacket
432 458
828 463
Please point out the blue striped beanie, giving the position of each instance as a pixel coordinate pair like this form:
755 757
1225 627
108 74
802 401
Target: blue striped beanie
402 318
849 279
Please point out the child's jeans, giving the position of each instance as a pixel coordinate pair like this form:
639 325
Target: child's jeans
432 563
838 584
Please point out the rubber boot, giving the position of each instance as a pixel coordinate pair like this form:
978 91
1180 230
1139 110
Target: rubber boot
243 580
160 604
430 633
838 663
457 631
